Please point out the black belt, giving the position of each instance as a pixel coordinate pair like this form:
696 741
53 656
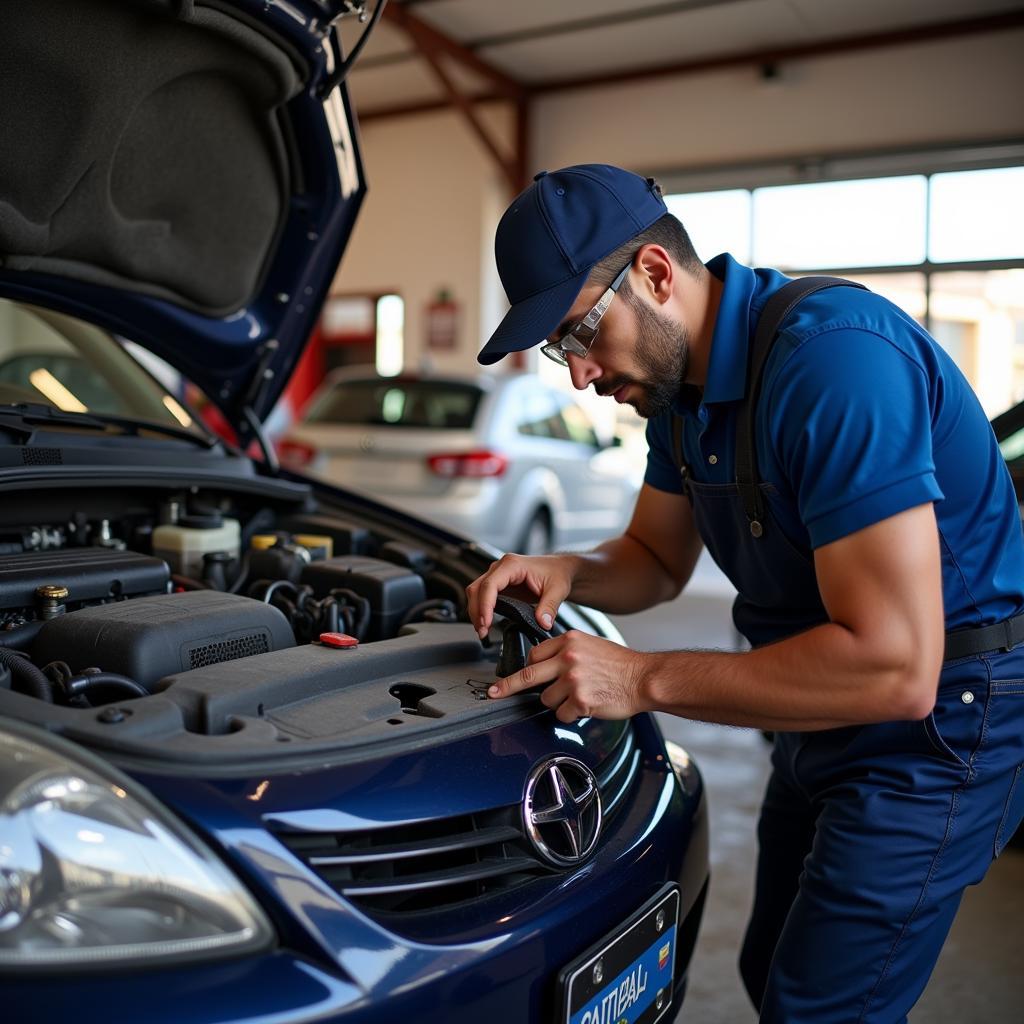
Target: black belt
1000 636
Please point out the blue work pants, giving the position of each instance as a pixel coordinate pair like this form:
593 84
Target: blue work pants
868 837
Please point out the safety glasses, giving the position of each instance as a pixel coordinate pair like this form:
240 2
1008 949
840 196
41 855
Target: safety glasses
579 338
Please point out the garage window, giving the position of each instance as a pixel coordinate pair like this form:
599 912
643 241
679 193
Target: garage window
945 245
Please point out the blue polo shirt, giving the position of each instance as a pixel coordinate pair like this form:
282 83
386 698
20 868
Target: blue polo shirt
862 415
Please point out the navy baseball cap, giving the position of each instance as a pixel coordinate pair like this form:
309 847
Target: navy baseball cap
551 237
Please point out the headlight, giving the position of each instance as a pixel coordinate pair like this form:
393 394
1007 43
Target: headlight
683 766
93 870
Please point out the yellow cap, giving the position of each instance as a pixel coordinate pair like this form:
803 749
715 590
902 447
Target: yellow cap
315 540
262 541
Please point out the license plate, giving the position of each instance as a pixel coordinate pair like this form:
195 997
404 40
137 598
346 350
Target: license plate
627 977
385 475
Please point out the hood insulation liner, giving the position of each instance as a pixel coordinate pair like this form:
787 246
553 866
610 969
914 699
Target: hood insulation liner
142 147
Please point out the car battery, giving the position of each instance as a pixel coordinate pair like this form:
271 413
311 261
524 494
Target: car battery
348 538
391 589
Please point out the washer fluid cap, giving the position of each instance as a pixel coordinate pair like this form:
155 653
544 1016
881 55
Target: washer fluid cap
338 640
207 519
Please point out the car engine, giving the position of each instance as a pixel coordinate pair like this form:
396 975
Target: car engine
238 622
93 611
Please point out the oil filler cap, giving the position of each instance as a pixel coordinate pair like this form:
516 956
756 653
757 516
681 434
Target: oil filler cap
338 640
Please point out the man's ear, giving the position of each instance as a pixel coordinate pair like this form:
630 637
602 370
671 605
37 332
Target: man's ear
659 277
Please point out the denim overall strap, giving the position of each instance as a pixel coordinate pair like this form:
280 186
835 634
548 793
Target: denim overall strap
776 310
777 589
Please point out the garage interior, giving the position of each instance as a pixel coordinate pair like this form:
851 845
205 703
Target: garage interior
460 102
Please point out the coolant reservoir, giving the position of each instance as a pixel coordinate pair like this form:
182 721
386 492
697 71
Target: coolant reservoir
182 545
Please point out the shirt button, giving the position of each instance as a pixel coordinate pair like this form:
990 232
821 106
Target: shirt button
713 459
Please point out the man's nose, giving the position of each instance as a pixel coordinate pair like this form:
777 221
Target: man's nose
582 371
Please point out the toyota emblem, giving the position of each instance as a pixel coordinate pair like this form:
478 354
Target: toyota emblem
562 810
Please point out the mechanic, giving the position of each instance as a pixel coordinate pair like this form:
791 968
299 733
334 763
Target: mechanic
849 485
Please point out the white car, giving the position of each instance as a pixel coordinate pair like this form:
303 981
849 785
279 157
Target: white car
508 460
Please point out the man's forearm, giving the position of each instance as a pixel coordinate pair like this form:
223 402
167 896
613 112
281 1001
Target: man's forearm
824 678
620 576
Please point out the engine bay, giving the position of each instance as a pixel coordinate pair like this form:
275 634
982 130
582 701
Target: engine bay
215 625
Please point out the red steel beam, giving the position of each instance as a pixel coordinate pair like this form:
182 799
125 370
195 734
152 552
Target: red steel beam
425 36
468 111
422 107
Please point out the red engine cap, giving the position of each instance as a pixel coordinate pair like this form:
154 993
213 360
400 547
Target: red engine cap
338 640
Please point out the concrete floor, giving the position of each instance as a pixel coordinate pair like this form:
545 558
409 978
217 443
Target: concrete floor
980 974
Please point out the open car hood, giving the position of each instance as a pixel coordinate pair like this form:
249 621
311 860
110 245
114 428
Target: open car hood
172 171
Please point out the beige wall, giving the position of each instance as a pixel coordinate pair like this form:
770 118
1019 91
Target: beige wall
948 91
436 195
427 224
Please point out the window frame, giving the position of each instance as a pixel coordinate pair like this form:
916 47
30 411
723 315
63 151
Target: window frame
809 169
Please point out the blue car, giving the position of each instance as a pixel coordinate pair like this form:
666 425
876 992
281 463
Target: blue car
249 771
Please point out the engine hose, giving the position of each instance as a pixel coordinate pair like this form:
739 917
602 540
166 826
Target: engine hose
20 635
348 618
24 672
456 592
275 586
362 623
361 608
304 626
58 672
122 686
415 613
243 575
326 615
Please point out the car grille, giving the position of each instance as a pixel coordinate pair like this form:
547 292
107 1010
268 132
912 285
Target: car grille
436 865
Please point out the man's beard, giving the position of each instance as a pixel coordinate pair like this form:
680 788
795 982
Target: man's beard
662 353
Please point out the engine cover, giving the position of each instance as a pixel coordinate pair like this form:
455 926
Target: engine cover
153 637
88 573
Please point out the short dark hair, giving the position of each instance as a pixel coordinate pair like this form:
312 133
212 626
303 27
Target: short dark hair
668 232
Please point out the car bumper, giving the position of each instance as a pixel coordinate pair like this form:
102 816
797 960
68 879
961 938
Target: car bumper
473 508
335 962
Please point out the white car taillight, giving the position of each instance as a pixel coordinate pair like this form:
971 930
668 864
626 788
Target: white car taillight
468 464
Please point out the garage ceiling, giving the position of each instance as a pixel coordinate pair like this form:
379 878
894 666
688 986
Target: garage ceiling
490 49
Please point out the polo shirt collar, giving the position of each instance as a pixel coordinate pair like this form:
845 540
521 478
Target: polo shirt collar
727 362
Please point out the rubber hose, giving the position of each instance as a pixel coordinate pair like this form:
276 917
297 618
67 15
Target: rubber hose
243 575
23 671
416 611
361 610
82 684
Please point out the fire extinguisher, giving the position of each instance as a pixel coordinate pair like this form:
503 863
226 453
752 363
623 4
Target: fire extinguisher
442 322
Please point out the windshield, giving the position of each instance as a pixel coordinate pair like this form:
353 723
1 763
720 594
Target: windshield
48 358
439 405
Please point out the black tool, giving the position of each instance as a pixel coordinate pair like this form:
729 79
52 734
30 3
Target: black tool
519 632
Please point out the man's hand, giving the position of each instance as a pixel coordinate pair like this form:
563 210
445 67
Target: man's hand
547 578
588 676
